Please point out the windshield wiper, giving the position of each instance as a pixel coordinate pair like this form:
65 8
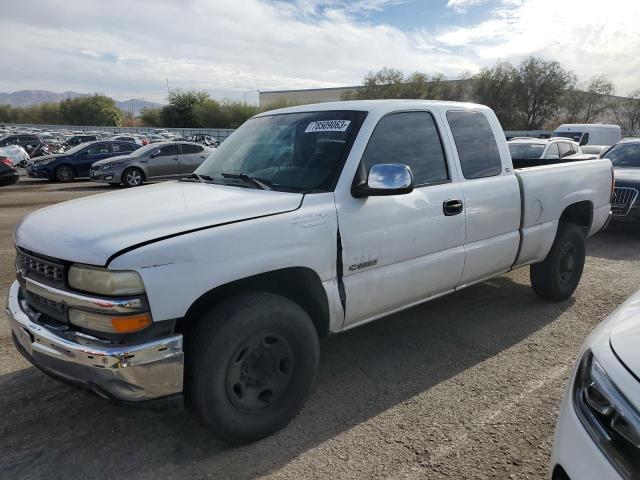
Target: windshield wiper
260 182
200 178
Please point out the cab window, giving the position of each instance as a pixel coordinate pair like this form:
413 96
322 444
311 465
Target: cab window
410 138
476 144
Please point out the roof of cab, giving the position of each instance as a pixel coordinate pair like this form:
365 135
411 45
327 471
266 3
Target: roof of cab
375 106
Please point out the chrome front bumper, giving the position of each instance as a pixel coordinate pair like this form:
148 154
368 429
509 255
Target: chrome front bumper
131 373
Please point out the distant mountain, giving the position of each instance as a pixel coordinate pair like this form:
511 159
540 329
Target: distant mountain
26 98
137 104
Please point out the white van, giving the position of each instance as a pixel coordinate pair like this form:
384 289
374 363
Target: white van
590 133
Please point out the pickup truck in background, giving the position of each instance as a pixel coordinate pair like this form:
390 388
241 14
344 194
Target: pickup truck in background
307 221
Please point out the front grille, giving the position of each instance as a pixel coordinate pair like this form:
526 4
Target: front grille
622 200
46 271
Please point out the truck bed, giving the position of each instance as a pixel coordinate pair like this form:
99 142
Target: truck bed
545 193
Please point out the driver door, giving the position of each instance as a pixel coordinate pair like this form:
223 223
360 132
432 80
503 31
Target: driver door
165 162
399 250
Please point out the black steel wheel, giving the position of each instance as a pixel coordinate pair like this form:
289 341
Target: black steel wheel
558 275
250 364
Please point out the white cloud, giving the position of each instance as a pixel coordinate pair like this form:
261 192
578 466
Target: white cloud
461 6
229 47
593 38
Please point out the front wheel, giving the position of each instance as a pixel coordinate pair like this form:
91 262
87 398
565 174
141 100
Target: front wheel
251 362
132 177
558 275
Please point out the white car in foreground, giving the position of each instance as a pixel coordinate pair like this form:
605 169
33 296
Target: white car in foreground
598 432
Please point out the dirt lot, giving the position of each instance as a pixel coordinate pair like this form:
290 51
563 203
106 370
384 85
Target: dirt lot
467 386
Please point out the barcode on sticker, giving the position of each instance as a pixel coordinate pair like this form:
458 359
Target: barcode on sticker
328 126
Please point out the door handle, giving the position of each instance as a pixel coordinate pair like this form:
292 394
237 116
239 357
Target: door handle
452 207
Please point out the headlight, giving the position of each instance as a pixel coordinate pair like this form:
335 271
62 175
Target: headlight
42 162
611 421
105 282
109 166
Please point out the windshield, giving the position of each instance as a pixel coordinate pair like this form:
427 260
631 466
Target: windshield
526 150
575 136
146 150
302 152
624 155
76 149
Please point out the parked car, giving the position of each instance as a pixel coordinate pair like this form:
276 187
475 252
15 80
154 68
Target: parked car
76 162
23 139
531 152
204 139
153 138
152 162
78 139
297 226
595 149
127 138
8 173
590 133
625 158
597 433
18 155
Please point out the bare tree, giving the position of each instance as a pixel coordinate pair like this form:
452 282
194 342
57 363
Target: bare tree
627 113
586 103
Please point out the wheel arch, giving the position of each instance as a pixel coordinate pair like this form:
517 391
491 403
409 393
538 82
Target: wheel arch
301 285
580 214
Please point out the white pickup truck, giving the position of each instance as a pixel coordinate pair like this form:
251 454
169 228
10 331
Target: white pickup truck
307 221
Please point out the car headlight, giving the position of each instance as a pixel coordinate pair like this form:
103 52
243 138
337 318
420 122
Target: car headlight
105 282
109 166
43 162
611 421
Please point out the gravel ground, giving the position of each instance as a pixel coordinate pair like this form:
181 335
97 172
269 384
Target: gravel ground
467 386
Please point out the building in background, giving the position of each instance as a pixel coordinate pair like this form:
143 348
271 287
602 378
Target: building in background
308 95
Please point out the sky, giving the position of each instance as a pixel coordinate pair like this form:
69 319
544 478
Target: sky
232 48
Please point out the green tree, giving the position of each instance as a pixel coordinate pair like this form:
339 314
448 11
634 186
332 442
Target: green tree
209 113
179 111
538 88
495 87
94 109
151 117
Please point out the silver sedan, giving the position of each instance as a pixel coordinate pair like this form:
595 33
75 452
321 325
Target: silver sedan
156 161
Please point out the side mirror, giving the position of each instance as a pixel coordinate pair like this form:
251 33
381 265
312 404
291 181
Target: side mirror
154 154
385 179
552 157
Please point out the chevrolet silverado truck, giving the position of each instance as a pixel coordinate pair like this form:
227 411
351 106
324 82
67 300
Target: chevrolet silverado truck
307 221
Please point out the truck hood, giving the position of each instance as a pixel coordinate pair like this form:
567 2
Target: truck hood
625 334
92 229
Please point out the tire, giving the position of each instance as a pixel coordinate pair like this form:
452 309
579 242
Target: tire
558 275
132 177
251 361
64 173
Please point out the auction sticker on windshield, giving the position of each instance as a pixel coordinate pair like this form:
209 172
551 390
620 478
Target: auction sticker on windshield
328 126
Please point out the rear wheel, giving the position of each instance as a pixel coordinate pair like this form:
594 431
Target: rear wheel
251 364
132 177
64 173
558 275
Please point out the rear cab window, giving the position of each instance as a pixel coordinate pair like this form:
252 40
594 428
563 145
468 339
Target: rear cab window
476 144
